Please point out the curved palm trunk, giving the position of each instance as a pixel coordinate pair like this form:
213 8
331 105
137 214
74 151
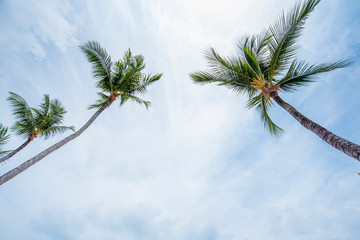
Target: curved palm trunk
15 151
343 145
9 175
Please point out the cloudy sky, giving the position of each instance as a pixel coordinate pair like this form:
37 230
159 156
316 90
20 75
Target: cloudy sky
197 164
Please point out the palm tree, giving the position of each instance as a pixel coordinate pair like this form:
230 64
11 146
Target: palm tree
32 122
122 80
265 65
3 138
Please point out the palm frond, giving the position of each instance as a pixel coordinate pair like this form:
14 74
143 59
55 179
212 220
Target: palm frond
128 77
117 73
234 73
219 68
284 33
252 61
45 106
100 101
25 124
257 45
301 73
234 68
262 105
57 111
37 113
53 130
127 57
144 82
215 60
43 111
127 73
269 125
101 64
4 137
140 62
203 77
127 97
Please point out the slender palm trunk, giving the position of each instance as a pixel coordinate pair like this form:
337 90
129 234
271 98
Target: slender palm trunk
15 151
9 175
343 145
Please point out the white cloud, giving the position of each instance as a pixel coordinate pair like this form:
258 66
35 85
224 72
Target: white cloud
33 25
197 165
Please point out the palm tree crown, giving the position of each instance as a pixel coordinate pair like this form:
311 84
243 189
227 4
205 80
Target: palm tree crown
43 121
266 64
121 79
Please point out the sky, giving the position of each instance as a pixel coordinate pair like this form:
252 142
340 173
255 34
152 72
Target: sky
197 164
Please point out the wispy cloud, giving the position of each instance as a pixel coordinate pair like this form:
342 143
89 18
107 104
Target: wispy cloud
32 25
197 165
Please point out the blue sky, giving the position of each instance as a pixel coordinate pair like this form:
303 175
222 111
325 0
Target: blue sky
197 164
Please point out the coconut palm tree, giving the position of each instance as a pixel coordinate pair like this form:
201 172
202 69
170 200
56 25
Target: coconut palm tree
122 80
3 138
32 122
266 65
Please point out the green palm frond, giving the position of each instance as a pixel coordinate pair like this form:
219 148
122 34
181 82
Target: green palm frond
101 64
129 78
25 124
259 103
100 101
225 66
127 58
4 137
203 77
21 129
127 97
57 111
301 73
127 73
206 77
144 82
257 44
3 134
53 130
219 68
45 105
117 73
268 123
252 61
140 62
234 73
284 33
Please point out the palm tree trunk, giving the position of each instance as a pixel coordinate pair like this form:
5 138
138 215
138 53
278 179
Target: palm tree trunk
343 145
9 175
15 151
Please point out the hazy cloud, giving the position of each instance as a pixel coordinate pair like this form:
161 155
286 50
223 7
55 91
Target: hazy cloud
197 165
